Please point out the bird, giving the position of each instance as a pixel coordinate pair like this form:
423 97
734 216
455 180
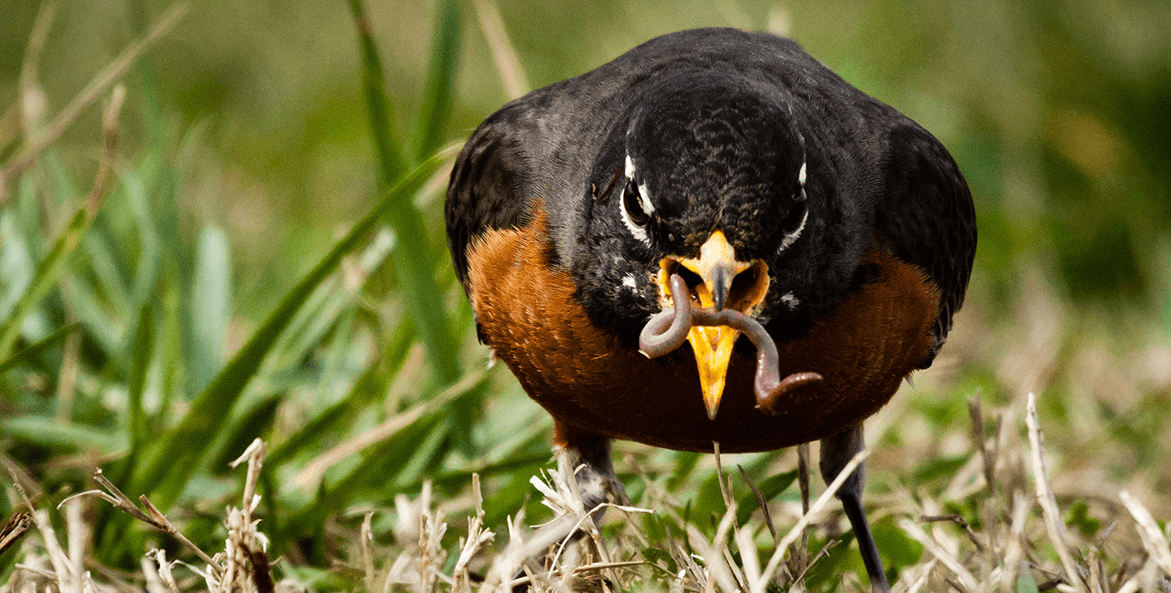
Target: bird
710 172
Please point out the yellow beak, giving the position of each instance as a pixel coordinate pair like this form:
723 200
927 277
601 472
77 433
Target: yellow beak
715 283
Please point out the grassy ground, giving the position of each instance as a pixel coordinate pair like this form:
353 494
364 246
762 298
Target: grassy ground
155 341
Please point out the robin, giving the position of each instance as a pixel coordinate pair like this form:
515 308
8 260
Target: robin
733 185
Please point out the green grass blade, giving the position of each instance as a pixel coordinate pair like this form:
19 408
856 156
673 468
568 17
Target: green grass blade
440 80
9 149
379 465
211 306
369 388
404 457
17 259
46 431
769 488
143 348
390 159
139 193
58 179
310 434
35 349
101 253
167 470
424 457
47 274
1025 582
330 305
414 260
149 89
415 269
101 327
256 421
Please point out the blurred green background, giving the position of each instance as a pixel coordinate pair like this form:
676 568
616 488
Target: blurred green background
1059 113
246 150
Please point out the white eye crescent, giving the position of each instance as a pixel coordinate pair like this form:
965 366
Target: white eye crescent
632 204
794 221
636 205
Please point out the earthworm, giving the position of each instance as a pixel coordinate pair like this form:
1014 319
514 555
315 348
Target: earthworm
667 330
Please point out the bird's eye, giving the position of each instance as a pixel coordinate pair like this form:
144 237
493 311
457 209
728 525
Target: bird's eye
632 202
794 218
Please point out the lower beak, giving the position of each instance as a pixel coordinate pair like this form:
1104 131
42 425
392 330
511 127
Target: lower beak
713 351
719 285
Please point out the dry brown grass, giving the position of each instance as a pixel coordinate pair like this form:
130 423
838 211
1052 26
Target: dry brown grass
1014 540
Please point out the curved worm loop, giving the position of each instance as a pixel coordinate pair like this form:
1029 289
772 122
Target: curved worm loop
769 387
667 330
767 402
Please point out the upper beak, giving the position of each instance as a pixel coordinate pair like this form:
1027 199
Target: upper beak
718 286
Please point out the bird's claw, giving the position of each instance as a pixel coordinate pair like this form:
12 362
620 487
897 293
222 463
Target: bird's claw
667 330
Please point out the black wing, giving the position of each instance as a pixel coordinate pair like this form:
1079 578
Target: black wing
927 217
486 188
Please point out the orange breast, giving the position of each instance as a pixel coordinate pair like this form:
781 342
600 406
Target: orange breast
587 380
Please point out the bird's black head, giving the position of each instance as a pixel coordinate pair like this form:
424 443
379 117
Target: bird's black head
705 177
713 154
696 154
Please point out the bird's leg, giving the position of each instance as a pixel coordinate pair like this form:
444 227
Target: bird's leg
802 556
589 459
836 452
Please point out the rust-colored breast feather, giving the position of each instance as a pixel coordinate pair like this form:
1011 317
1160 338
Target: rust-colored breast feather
587 381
